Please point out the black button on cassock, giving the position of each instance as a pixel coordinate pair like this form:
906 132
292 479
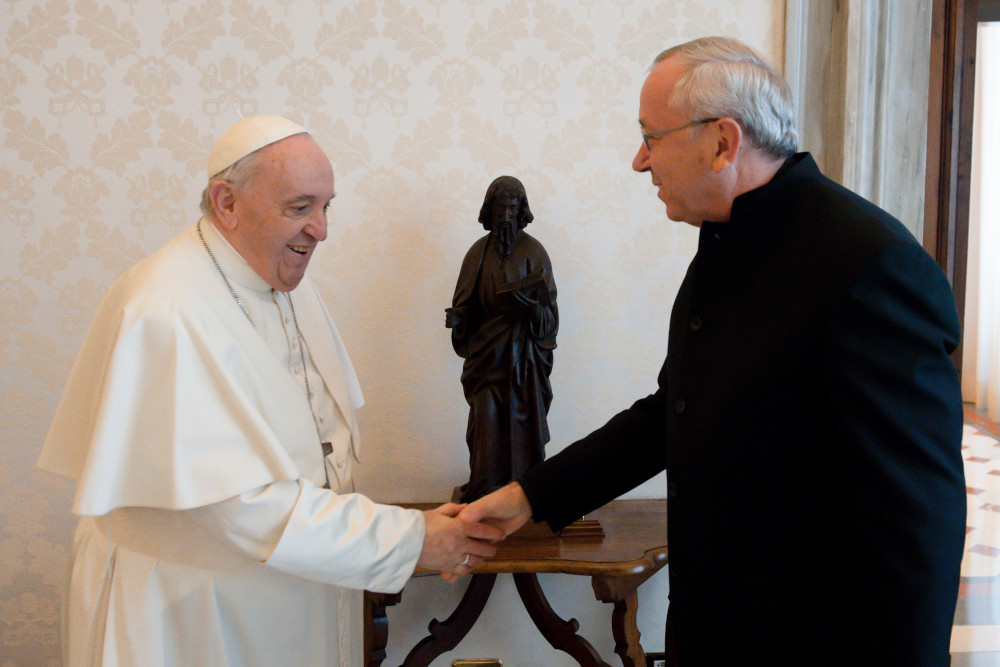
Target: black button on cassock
680 405
695 323
671 489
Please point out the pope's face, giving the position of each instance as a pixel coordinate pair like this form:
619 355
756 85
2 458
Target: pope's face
679 163
281 212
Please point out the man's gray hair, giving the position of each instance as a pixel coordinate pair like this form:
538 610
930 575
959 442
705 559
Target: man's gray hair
724 78
238 175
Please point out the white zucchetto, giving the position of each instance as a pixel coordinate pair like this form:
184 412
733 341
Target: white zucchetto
246 136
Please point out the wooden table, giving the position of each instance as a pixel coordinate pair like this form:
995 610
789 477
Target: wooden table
633 549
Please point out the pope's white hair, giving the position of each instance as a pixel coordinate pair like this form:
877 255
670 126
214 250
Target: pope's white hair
724 78
238 175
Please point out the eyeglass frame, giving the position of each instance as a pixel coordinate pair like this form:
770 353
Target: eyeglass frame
646 136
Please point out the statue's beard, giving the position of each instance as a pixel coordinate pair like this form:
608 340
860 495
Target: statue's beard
505 234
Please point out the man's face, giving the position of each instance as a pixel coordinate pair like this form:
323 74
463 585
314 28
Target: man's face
281 213
678 162
505 209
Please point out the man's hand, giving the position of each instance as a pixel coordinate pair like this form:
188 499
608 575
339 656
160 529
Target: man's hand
507 509
454 547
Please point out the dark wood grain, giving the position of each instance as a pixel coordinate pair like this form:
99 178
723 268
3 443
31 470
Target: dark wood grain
376 625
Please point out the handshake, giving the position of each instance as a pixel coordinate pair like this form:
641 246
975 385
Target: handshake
460 537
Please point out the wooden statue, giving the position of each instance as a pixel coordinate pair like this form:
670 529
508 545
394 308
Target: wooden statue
503 322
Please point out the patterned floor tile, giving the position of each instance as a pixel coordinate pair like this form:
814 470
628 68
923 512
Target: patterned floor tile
977 616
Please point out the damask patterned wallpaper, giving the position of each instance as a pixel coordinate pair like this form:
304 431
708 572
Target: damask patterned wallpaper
109 108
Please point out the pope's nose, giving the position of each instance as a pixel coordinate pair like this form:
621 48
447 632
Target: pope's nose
317 228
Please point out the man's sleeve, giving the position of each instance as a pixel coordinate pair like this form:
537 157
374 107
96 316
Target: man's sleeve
896 404
301 529
591 472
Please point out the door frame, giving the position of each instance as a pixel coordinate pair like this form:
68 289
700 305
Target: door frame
949 142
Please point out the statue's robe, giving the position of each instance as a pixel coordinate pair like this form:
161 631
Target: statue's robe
508 359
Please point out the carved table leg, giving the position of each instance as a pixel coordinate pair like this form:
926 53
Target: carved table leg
376 631
622 592
626 632
445 635
559 633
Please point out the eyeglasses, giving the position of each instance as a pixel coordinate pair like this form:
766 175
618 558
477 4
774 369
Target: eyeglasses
646 136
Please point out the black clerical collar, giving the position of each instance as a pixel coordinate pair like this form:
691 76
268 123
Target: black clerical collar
761 201
789 162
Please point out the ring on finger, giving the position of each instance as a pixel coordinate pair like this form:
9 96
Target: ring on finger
464 562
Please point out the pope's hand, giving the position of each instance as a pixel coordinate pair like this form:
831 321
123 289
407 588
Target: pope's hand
454 547
507 509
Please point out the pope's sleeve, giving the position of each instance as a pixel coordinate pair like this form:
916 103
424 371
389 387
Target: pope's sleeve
895 403
313 533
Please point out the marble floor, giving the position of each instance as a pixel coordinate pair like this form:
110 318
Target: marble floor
976 637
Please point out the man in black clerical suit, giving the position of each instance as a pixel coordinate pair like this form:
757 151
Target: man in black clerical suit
808 414
503 322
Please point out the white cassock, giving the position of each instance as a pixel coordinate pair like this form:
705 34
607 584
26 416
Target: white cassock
206 537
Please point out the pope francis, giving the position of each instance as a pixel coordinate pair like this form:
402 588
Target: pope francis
209 424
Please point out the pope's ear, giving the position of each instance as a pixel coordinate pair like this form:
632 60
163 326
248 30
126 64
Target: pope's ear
223 199
729 137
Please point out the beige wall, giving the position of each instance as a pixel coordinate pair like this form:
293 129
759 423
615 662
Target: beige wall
108 110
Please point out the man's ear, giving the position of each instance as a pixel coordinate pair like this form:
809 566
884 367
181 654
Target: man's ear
223 199
729 139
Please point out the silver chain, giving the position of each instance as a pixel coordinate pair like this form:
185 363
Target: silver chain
236 297
302 353
295 320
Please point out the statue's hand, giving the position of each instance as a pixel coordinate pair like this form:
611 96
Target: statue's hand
529 306
454 317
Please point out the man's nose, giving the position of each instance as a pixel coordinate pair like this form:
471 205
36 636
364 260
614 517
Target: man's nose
640 162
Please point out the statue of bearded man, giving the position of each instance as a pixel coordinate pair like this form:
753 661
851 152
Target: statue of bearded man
503 322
